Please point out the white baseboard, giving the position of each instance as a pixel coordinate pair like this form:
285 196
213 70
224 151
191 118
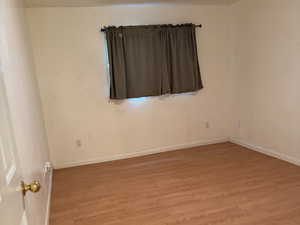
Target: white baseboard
50 175
265 151
140 153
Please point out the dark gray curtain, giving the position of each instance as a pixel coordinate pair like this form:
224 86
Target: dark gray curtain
152 60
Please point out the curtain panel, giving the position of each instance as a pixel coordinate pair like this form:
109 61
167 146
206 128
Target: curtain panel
152 60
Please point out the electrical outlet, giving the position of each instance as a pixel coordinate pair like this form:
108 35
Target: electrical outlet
78 143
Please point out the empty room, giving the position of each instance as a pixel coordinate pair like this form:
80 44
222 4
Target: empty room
149 112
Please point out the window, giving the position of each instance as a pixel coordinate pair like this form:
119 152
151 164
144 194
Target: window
152 60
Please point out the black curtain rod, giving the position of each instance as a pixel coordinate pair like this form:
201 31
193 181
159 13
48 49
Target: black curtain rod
199 25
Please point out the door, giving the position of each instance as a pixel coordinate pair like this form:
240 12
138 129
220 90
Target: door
11 197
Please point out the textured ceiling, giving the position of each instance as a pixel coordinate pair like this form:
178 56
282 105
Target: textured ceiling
74 3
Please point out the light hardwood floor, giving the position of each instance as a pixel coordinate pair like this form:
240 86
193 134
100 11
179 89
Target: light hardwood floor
221 184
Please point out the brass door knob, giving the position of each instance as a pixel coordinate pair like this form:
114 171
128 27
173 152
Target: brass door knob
33 187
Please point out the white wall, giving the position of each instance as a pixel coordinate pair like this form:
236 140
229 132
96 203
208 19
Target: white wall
267 57
71 68
24 103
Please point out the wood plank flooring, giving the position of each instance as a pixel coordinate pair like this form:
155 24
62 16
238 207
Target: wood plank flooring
221 184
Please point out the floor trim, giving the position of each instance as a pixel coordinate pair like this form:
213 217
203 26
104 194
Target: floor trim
47 218
265 151
141 153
